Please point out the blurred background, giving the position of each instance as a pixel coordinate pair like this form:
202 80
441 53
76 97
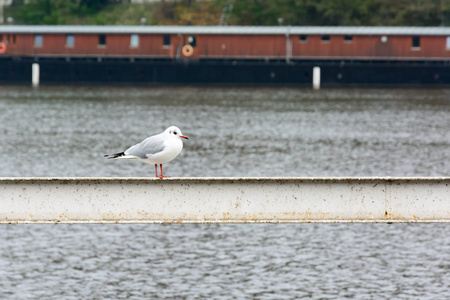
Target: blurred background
243 12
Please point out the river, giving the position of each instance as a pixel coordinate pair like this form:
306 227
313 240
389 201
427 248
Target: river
66 130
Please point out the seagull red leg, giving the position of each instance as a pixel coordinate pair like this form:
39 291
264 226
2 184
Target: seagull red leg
156 170
162 176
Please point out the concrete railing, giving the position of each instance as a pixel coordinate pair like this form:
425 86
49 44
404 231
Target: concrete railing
129 200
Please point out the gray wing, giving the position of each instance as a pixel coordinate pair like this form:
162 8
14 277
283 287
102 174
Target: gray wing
151 145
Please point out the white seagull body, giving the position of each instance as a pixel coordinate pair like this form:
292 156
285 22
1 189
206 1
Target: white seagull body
157 149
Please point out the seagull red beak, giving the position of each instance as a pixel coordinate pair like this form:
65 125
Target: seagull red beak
183 137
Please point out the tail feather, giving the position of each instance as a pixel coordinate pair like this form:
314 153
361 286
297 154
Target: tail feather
115 155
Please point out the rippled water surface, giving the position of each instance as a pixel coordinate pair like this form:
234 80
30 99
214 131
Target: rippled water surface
64 131
240 261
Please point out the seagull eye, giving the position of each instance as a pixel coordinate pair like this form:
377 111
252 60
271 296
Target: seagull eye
175 132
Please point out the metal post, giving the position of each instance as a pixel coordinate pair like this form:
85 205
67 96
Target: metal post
35 74
288 45
316 78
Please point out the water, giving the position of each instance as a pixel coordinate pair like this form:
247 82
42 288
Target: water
240 261
64 131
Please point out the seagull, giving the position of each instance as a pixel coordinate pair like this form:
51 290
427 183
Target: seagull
157 149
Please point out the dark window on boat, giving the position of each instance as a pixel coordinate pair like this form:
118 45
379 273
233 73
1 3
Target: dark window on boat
1 37
348 38
102 40
192 40
166 40
303 38
14 38
416 41
325 38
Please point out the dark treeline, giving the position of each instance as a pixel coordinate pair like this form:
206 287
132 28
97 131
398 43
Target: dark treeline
239 12
343 12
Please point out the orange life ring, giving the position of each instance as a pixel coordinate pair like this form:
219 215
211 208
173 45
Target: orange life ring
2 47
187 50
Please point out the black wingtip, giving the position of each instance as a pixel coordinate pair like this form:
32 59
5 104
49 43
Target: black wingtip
116 155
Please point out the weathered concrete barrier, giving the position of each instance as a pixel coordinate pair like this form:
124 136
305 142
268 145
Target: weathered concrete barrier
105 200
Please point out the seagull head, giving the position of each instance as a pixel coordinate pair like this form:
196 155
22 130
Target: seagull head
175 132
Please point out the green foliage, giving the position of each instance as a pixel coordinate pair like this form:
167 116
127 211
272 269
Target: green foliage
189 12
412 13
53 12
344 12
341 12
245 12
84 12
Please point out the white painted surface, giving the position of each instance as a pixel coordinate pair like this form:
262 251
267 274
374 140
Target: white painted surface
316 78
224 200
35 74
